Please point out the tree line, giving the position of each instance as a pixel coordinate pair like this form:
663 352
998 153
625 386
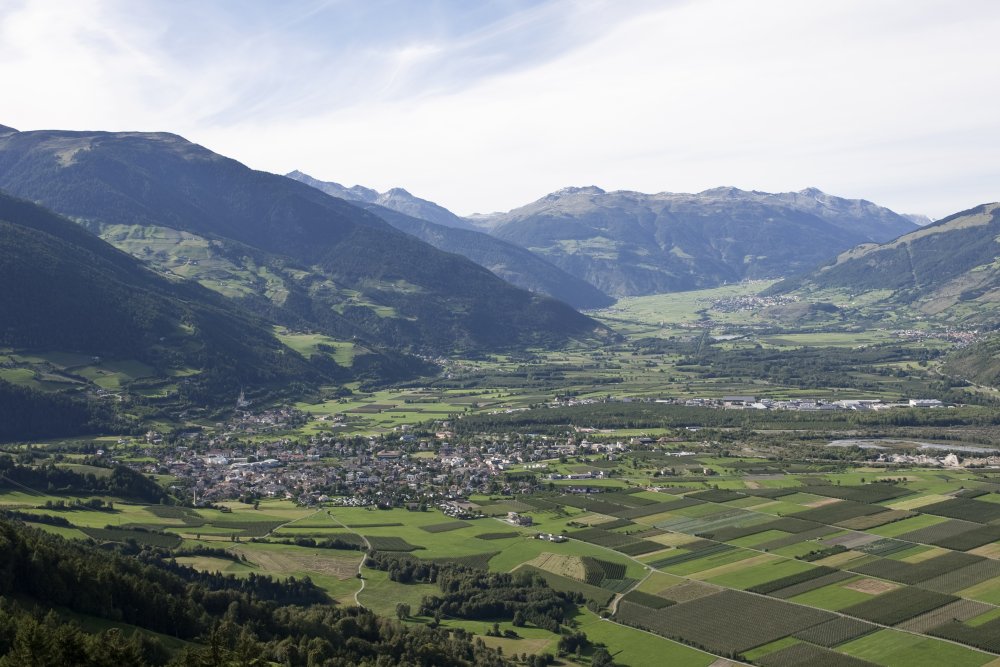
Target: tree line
476 594
122 482
231 621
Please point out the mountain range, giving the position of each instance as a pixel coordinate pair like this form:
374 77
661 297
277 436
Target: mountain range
948 270
631 243
437 226
281 249
217 255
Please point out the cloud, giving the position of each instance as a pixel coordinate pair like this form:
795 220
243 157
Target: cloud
194 63
485 106
888 102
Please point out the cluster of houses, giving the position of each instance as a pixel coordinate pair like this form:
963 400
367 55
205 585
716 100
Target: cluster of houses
750 302
950 460
551 537
803 404
596 474
239 461
756 403
960 337
518 519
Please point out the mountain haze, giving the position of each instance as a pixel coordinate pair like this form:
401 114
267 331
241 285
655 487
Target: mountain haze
511 262
918 219
307 259
396 199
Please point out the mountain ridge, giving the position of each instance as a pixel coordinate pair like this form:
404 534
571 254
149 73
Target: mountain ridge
319 260
396 199
511 262
628 243
947 269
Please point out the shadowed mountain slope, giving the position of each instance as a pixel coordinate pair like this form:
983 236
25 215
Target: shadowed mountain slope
68 291
317 261
511 262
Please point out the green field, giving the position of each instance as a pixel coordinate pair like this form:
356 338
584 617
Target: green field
899 649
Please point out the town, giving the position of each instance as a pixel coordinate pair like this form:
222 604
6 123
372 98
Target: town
246 458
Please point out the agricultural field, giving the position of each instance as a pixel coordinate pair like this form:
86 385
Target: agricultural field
705 534
57 370
672 343
684 568
384 411
829 602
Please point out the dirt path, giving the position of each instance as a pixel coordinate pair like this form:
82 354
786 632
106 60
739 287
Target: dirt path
301 518
619 596
361 565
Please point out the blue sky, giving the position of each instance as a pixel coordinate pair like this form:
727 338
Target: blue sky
486 106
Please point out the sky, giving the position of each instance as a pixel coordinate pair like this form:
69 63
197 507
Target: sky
487 105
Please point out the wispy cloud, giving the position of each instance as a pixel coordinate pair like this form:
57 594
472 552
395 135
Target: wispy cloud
226 62
486 105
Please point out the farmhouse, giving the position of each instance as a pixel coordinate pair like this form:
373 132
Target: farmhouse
925 403
551 537
738 401
519 519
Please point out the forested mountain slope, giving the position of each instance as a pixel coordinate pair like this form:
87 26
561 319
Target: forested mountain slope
311 260
67 290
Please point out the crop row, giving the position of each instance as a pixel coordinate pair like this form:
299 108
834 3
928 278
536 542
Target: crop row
985 636
836 631
626 499
913 573
813 656
189 516
656 508
898 605
791 580
968 509
955 534
155 539
727 623
379 543
865 493
717 495
647 600
251 528
602 538
811 585
956 580
597 570
686 556
558 582
842 511
445 527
